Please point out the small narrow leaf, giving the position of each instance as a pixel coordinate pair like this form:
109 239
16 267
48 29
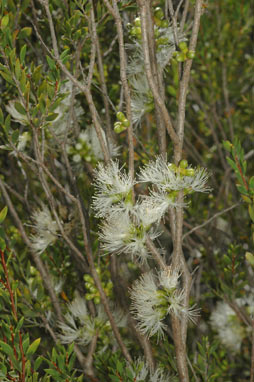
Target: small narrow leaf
5 348
250 258
3 214
51 63
20 108
4 21
15 137
22 54
251 211
33 347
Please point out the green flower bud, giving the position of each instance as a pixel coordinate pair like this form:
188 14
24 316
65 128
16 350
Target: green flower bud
87 277
120 116
119 128
162 41
183 163
190 172
164 24
138 31
191 54
156 33
158 13
133 31
126 123
172 167
97 300
157 22
180 57
137 22
183 47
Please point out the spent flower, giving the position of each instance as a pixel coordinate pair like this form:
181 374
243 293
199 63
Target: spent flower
46 230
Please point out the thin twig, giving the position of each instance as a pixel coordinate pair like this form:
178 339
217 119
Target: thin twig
209 220
123 74
252 353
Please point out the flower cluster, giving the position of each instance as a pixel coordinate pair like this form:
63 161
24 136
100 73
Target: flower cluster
141 372
156 296
226 323
46 230
80 327
88 146
127 225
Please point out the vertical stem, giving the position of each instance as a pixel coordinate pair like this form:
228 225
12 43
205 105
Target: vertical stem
123 74
252 353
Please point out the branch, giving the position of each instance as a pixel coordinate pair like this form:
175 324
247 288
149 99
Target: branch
148 70
123 74
209 220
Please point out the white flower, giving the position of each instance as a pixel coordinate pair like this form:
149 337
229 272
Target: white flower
141 372
169 279
62 122
153 298
76 158
95 144
153 207
80 327
121 234
113 189
225 321
167 177
46 229
139 106
145 306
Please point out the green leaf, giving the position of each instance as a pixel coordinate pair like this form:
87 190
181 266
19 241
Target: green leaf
37 362
5 348
20 324
7 77
250 258
3 214
251 211
20 108
7 123
1 117
17 69
51 116
3 247
22 54
64 53
4 22
53 372
51 63
227 146
33 347
25 32
232 164
15 137
251 182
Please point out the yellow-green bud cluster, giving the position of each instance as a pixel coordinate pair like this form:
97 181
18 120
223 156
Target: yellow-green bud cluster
92 292
184 53
80 151
122 123
182 170
159 21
